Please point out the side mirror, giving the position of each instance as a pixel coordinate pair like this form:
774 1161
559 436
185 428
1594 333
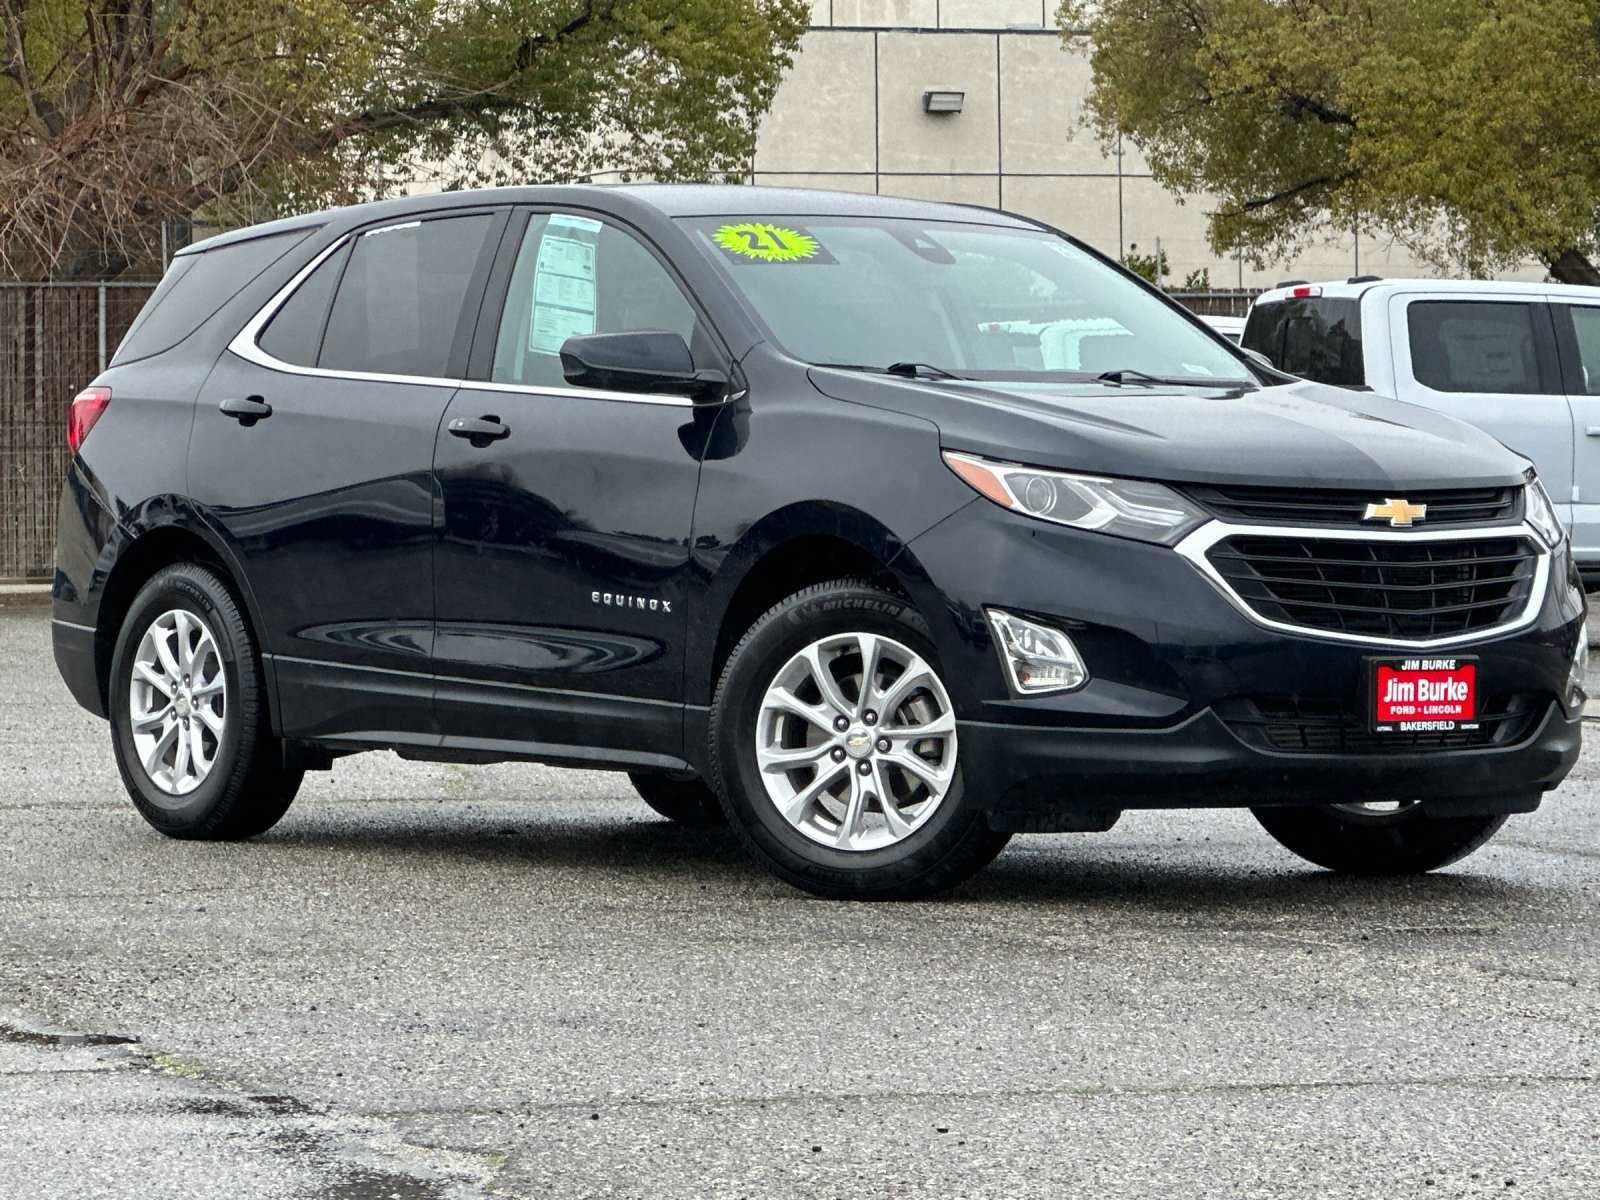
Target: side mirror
648 361
1259 357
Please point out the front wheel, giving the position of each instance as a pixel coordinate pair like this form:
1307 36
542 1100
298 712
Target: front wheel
836 750
1377 838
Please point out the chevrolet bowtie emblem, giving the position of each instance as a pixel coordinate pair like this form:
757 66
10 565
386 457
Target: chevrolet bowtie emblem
1398 512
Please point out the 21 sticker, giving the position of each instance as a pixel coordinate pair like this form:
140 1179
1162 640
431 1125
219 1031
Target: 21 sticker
768 243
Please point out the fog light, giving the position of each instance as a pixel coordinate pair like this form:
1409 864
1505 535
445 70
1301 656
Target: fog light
1038 659
1577 673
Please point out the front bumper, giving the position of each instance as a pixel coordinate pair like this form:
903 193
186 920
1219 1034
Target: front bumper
1043 779
1173 662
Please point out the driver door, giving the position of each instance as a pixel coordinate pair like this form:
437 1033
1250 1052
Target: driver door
561 576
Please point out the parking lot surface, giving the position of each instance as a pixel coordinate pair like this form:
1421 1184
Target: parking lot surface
515 981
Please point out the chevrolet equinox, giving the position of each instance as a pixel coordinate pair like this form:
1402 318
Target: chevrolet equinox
879 529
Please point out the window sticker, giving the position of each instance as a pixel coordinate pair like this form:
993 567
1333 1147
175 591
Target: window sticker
563 283
766 243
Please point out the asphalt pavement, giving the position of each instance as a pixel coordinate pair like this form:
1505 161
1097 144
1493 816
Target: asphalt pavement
448 982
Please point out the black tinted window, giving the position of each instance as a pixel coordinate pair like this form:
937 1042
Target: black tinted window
1313 338
1472 346
400 301
195 286
294 335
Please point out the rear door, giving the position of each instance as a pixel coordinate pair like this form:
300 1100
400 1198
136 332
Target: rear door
1578 334
563 565
1489 359
312 450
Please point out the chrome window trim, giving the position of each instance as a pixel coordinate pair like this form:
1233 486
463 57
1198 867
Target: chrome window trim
247 347
1195 545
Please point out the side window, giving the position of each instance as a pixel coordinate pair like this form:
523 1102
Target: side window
1586 336
574 276
1476 346
294 335
400 302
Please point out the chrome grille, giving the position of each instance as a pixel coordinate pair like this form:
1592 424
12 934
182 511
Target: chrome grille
1391 588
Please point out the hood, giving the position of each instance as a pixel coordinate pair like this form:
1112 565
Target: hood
1298 434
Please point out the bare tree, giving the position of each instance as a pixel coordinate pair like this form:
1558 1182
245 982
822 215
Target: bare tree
119 115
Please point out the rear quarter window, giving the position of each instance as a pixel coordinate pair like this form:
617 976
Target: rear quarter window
1314 338
196 286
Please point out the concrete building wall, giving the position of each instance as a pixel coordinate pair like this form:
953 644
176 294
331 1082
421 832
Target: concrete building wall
849 115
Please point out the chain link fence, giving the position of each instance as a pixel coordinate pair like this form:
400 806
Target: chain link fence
56 337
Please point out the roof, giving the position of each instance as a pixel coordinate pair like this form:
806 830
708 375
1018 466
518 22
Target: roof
1340 289
717 200
669 199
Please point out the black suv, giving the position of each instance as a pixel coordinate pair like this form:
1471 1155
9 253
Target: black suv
880 529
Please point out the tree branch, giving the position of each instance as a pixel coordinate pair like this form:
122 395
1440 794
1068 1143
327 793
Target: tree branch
442 107
1289 193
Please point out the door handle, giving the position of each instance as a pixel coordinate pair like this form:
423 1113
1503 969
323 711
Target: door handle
247 411
480 431
1593 431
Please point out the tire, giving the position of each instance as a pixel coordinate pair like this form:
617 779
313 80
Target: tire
246 789
934 844
1403 842
688 802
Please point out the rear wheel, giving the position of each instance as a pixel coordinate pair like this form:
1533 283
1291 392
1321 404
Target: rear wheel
1377 837
685 800
189 716
836 749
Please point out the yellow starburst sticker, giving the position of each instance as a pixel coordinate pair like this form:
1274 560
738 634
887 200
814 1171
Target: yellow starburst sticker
769 243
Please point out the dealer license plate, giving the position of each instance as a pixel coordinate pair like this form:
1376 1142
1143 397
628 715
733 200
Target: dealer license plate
1422 695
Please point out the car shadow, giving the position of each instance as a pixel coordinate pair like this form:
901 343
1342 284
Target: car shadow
487 834
1053 871
1207 886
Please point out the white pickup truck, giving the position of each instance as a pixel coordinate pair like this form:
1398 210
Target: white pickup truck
1520 360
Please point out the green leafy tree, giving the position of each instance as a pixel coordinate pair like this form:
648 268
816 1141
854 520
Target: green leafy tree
1469 130
119 115
1152 267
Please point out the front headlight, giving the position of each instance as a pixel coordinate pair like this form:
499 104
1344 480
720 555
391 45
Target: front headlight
1128 508
1541 514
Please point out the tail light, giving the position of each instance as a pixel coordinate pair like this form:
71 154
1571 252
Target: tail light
87 406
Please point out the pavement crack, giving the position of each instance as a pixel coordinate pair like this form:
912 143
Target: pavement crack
17 1035
1085 1092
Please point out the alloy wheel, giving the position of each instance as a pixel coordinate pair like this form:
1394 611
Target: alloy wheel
856 742
178 702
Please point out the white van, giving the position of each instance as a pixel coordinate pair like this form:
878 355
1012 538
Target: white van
1521 360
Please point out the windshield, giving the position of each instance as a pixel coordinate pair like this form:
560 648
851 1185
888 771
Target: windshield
979 301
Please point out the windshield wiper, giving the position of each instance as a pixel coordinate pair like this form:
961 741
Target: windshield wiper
911 370
1133 375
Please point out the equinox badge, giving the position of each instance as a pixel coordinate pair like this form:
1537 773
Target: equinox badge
1398 512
